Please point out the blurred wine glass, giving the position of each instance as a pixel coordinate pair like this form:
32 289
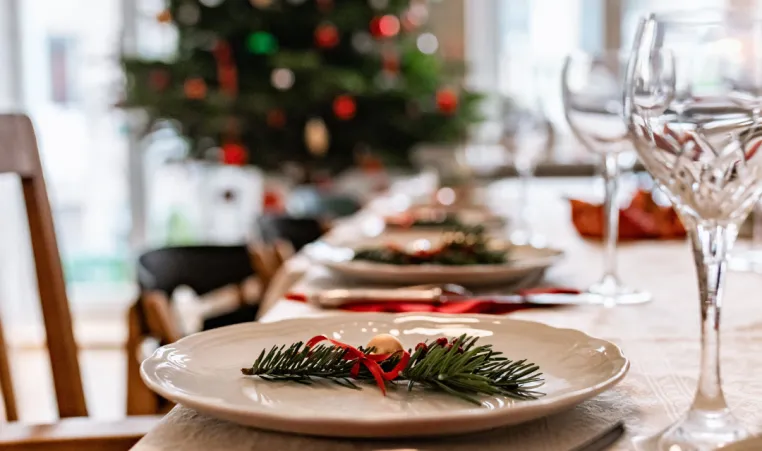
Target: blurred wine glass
526 135
692 104
592 91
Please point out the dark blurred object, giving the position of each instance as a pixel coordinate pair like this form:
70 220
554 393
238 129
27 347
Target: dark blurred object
202 268
297 231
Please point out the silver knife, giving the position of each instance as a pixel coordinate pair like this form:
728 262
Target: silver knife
335 298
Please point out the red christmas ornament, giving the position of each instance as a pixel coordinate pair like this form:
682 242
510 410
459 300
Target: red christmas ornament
195 88
233 154
276 118
447 101
385 26
326 36
375 27
344 107
158 79
272 202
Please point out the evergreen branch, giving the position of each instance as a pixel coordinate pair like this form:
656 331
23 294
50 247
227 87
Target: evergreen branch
459 367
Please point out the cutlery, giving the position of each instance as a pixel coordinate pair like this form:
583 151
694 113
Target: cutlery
604 440
334 298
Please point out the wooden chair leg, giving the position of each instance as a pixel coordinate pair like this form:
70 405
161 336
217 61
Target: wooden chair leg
6 383
159 317
140 400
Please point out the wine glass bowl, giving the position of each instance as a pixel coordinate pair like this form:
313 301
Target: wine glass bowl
592 94
700 148
692 105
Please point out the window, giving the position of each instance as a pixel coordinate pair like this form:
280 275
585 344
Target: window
516 48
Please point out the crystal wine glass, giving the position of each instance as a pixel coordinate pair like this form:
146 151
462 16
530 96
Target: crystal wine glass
592 91
692 104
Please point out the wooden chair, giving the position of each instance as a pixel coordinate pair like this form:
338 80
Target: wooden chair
19 155
204 269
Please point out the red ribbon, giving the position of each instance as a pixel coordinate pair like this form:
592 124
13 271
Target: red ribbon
369 360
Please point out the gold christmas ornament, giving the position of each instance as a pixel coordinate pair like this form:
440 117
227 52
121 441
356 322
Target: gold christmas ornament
385 344
316 137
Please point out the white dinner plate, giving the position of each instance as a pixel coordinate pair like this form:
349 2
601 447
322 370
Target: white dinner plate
523 261
202 371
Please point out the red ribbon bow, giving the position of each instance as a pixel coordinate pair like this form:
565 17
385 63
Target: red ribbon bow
371 361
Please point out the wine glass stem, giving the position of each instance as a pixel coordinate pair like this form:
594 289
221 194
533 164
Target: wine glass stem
711 244
611 228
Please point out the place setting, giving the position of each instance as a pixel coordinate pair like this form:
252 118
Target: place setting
414 337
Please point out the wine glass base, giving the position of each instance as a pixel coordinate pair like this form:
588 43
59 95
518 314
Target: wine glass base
696 431
610 292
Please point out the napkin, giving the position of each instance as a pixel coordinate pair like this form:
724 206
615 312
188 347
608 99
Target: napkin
454 307
643 219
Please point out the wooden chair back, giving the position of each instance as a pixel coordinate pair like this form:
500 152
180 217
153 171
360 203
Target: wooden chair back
19 155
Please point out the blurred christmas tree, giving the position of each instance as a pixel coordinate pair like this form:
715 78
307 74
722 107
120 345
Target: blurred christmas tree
315 82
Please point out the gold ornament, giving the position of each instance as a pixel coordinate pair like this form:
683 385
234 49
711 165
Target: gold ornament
385 344
164 16
316 137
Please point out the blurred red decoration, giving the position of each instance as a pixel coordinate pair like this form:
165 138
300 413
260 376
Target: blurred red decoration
643 219
195 88
447 101
326 36
272 202
344 107
164 16
276 118
390 62
159 79
386 26
375 27
324 5
233 154
227 74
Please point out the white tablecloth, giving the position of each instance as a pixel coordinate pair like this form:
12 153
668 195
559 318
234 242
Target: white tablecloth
660 338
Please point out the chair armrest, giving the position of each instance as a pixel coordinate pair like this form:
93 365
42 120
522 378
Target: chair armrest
76 434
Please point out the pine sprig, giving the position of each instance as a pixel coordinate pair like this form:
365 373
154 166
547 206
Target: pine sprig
459 367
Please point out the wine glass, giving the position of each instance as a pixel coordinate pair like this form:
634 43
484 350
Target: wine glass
592 91
692 104
526 137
